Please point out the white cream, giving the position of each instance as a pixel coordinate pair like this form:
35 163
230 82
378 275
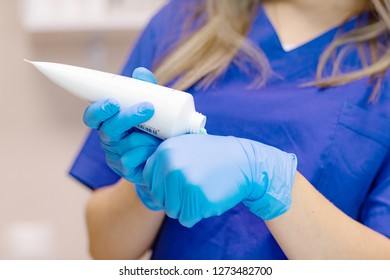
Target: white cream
174 110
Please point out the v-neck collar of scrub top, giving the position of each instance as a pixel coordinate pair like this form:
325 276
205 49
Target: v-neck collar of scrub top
264 35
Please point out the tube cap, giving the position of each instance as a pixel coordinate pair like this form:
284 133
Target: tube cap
197 123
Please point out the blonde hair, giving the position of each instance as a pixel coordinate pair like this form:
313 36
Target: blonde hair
203 56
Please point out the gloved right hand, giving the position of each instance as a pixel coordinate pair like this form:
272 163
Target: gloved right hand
126 147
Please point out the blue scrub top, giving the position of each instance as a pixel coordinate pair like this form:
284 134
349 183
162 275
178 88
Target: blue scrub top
342 141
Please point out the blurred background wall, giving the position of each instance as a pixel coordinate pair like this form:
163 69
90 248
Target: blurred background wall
41 128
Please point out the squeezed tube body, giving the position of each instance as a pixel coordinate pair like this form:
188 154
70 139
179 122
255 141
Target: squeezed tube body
174 110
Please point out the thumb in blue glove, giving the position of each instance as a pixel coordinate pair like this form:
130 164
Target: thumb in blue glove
198 176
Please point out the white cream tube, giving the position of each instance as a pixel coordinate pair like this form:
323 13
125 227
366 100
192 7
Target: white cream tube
174 110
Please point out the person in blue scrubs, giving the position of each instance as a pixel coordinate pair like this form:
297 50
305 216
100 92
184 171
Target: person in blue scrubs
286 171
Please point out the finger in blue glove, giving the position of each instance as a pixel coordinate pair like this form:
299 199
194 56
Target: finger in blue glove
99 112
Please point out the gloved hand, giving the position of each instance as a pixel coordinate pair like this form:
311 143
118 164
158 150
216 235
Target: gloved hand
126 148
193 177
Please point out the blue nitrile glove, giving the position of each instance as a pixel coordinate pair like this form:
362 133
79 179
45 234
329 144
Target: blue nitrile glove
198 176
126 148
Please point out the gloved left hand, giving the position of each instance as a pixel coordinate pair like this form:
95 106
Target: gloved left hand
126 147
193 177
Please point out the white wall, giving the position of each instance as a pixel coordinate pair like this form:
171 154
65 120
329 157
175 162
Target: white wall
41 130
